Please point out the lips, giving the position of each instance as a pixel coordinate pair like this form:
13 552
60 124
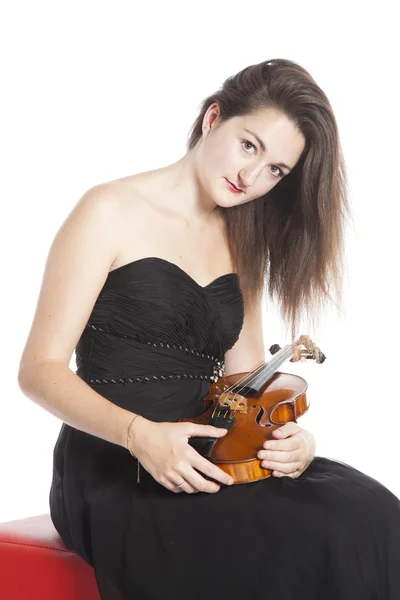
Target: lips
234 186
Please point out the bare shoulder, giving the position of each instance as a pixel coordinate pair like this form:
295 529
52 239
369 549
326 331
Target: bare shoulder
77 266
123 198
142 219
136 192
126 204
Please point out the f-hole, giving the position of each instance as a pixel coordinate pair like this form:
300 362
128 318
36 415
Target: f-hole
260 415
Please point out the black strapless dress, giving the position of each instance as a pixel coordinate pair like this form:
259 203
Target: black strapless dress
153 344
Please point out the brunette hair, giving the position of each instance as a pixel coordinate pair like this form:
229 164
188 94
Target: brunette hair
290 241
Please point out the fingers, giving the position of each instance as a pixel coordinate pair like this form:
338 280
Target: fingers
205 430
194 482
184 476
291 443
191 481
284 463
280 456
300 439
176 483
184 486
178 472
282 468
209 469
286 430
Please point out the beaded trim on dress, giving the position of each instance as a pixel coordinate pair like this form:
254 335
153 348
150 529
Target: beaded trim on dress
218 367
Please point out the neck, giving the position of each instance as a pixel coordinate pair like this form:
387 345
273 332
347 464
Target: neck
184 191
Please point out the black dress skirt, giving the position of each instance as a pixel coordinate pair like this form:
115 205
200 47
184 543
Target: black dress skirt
154 344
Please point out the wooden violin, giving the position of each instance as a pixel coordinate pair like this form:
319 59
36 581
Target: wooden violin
251 406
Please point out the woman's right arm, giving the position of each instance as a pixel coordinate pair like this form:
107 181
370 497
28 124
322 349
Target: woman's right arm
76 268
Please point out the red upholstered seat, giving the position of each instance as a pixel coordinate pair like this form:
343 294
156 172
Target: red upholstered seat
36 565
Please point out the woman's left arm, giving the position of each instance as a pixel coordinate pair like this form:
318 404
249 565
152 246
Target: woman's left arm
294 448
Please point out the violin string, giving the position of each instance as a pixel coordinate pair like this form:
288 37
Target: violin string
282 355
278 360
250 378
269 365
285 356
231 387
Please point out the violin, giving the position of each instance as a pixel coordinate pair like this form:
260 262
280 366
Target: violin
251 406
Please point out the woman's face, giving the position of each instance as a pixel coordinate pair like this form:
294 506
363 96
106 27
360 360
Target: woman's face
231 151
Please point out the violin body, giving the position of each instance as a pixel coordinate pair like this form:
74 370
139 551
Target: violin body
250 415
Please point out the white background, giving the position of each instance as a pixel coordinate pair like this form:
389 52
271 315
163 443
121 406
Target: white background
94 91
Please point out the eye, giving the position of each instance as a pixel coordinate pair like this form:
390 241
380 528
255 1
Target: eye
281 173
247 142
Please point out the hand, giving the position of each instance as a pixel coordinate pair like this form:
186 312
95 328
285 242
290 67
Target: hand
291 453
164 451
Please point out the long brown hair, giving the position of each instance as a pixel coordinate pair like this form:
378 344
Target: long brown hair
291 240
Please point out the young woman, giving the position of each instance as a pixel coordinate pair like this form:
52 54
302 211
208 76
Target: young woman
156 280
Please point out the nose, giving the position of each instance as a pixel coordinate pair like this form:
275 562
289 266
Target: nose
249 175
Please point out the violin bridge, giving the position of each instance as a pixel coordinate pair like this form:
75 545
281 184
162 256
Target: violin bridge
233 402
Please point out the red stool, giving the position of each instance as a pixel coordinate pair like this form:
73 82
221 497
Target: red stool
36 564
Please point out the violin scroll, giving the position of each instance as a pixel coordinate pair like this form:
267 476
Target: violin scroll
303 348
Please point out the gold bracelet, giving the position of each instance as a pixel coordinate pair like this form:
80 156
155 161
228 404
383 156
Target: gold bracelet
127 445
128 435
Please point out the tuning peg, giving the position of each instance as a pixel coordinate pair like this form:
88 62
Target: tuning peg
274 348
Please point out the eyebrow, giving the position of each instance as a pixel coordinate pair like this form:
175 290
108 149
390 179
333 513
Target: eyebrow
259 140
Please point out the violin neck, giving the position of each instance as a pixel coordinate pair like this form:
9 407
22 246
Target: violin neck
258 378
